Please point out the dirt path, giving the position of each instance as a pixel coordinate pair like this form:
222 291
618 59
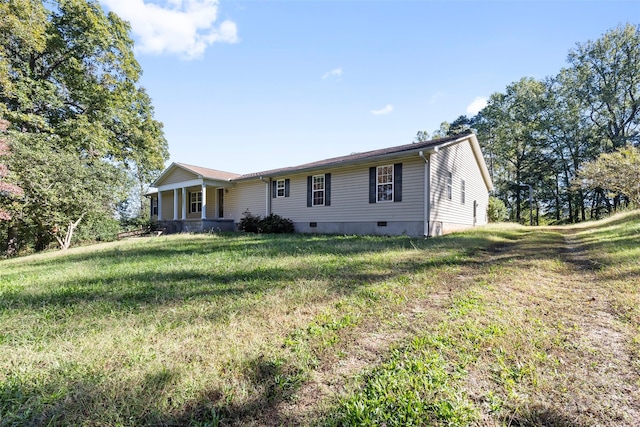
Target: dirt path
607 367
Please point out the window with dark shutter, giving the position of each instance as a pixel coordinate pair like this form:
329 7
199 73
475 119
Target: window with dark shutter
319 190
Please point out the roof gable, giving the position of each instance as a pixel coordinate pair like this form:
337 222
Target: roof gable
178 172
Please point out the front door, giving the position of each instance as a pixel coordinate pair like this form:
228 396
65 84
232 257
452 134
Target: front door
220 202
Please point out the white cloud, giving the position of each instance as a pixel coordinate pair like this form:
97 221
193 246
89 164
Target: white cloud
478 104
336 72
180 27
386 110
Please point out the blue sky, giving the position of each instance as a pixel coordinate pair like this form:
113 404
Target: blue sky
246 86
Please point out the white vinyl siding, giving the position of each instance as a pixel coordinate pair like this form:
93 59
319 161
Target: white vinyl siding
246 196
350 196
460 161
178 175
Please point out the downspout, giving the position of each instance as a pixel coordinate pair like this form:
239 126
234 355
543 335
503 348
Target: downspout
268 195
427 189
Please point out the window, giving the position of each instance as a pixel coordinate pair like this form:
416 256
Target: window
195 202
280 188
449 185
318 190
385 183
154 206
463 189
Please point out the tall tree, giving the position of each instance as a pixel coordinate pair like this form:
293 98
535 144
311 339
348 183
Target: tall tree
8 188
68 77
606 79
509 124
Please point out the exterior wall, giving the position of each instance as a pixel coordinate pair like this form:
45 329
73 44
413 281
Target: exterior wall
349 211
452 215
178 175
350 197
245 196
167 205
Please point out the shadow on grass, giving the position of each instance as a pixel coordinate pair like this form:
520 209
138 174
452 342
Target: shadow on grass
85 396
537 416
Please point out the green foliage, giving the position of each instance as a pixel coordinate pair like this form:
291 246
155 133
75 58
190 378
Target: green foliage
542 132
249 223
68 77
497 210
617 172
275 224
272 224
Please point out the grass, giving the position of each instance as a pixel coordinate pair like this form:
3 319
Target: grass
503 325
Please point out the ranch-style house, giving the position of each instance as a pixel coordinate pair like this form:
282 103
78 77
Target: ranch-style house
419 189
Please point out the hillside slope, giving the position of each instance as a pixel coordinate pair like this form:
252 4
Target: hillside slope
501 325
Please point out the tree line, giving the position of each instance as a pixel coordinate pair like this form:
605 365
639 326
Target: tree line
572 137
77 131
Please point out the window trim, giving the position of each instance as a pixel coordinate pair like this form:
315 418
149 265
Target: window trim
390 176
154 206
280 189
449 185
314 190
463 191
195 206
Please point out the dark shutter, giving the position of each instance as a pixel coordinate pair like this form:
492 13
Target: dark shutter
372 184
309 193
287 183
397 182
274 189
327 189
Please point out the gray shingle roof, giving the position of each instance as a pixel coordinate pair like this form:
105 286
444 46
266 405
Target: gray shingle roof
336 161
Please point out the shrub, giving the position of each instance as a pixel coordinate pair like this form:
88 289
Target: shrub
276 224
497 210
249 223
272 224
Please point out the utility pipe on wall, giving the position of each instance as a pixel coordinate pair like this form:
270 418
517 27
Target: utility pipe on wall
427 189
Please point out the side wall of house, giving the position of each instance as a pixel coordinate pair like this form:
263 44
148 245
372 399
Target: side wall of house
456 213
349 211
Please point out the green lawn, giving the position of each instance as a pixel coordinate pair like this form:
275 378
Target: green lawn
503 325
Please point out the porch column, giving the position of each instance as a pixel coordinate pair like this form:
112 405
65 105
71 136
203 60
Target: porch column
160 205
204 201
175 203
184 202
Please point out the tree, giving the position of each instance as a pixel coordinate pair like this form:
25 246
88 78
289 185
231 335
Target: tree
69 83
8 190
509 129
618 172
605 79
61 189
